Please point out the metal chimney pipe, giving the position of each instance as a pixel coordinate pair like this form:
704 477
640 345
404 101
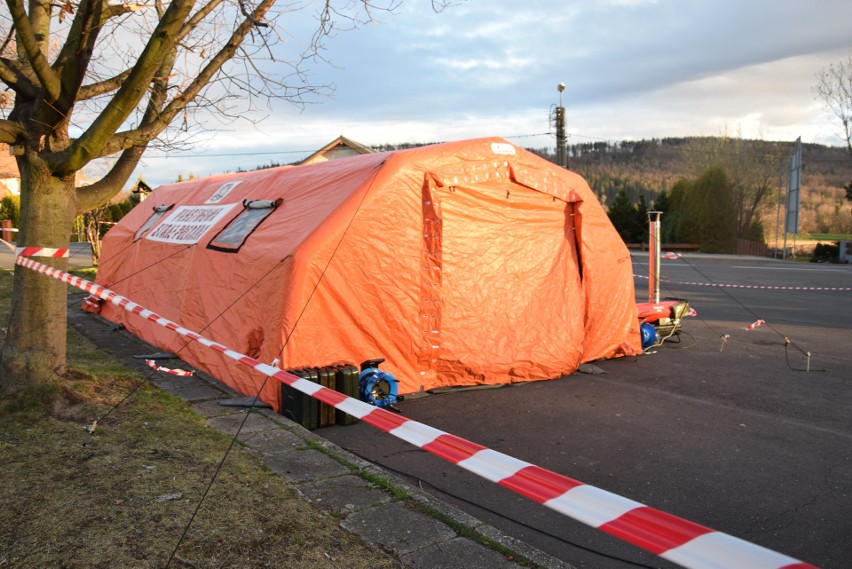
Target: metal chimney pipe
654 256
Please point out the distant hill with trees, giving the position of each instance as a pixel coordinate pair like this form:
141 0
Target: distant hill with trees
748 173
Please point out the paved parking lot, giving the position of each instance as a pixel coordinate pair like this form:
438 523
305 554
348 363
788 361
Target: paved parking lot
735 435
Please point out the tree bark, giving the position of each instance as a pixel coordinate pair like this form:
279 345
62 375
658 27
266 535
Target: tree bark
34 353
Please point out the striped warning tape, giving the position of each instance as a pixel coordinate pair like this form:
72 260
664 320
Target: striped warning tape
40 252
755 325
673 538
769 287
181 372
92 304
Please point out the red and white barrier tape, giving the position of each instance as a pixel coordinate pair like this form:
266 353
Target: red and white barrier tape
92 303
673 538
40 252
765 287
755 325
180 372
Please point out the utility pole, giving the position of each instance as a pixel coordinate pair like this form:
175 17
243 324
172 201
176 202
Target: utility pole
561 138
791 224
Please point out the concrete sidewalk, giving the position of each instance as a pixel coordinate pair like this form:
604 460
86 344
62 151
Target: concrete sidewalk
383 509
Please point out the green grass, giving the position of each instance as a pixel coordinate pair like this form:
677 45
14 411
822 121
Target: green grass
122 496
826 236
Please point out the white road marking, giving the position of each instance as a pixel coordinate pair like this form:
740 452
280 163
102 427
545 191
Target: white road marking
789 269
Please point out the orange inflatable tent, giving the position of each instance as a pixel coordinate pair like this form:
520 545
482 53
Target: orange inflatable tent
464 263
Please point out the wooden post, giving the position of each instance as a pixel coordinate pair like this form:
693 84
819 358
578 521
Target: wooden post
6 230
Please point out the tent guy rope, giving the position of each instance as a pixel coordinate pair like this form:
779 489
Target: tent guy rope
676 539
759 321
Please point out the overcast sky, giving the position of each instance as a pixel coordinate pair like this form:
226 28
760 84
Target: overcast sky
633 69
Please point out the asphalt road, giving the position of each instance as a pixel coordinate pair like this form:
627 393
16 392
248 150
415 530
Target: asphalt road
735 435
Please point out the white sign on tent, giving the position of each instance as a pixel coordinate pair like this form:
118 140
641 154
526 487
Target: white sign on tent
188 224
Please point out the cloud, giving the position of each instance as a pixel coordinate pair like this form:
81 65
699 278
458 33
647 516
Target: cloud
633 69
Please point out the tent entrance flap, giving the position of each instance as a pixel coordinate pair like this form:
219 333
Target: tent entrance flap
429 325
504 278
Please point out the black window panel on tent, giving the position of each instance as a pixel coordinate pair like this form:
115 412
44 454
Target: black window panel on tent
232 237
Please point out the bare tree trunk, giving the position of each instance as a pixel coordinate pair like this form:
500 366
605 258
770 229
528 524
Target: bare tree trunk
34 352
93 232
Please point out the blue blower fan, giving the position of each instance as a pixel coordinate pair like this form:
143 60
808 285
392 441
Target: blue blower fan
377 387
649 335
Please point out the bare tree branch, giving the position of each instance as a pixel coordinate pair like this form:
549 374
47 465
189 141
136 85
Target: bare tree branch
14 79
115 10
250 18
29 41
198 17
10 131
87 92
72 62
129 87
834 87
155 123
100 192
92 143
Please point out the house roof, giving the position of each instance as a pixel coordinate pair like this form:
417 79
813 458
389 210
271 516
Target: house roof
340 147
